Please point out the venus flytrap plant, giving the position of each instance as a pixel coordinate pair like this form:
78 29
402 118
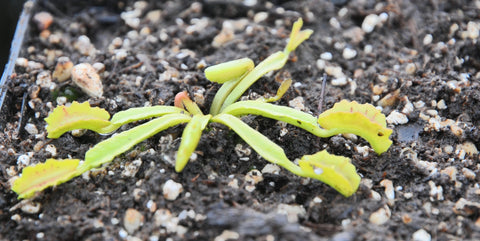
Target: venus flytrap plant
235 77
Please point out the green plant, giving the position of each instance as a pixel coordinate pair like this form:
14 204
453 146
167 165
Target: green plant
236 76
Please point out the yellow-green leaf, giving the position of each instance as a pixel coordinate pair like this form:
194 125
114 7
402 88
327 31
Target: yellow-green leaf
360 119
297 36
37 178
190 138
230 70
76 116
260 143
336 171
106 150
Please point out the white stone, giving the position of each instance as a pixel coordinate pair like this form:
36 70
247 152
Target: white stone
397 118
31 129
389 190
51 149
410 68
171 190
369 23
293 212
260 17
335 23
427 39
421 235
132 220
271 168
326 56
23 160
44 79
84 46
441 105
349 53
381 216
87 78
341 81
297 103
227 235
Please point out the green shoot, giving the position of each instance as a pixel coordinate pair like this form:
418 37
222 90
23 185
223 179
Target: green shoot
236 76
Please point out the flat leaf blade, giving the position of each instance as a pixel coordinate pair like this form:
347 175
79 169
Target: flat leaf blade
76 116
142 113
260 143
276 112
360 119
106 150
336 171
41 176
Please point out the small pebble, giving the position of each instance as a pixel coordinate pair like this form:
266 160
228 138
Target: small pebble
63 69
21 62
297 103
427 39
226 35
31 207
253 177
397 118
43 20
380 216
84 46
473 30
271 168
349 53
99 67
441 105
171 190
260 17
87 78
389 190
450 171
469 174
23 160
51 149
132 220
410 68
154 16
44 79
369 23
326 56
293 212
341 81
227 235
421 235
335 71
31 129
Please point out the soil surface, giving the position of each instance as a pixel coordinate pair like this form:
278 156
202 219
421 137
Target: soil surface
417 60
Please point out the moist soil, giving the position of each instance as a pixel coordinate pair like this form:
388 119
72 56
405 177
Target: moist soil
417 60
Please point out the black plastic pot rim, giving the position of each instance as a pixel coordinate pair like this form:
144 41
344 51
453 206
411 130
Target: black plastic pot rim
21 29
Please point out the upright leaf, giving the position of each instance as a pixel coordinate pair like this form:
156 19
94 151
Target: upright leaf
230 70
190 138
297 36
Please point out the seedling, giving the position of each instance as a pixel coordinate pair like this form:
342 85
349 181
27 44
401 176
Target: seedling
236 76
